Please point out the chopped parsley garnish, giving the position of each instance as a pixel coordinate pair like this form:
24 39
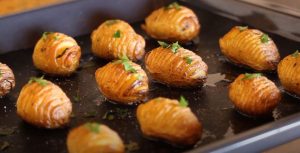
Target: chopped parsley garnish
188 60
4 145
110 22
117 34
183 102
127 66
45 34
251 75
0 73
55 37
93 127
108 116
242 28
174 46
173 5
264 38
40 80
296 54
62 54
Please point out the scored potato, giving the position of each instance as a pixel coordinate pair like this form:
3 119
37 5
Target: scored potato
7 79
250 47
56 53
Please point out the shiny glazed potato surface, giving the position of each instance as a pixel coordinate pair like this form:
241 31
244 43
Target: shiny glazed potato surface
181 69
115 38
166 119
94 138
120 85
250 47
7 79
44 104
56 54
254 95
172 23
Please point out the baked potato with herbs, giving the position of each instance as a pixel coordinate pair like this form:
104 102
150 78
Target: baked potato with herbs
173 65
115 38
289 73
122 81
169 120
250 47
57 54
43 104
7 79
254 94
172 23
94 138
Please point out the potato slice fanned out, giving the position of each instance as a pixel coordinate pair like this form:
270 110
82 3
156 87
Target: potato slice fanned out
250 47
254 94
7 79
115 38
44 104
172 23
173 65
169 120
94 138
57 54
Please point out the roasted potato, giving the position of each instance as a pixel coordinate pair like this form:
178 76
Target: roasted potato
115 38
173 65
250 47
43 104
7 79
254 94
172 23
56 54
94 138
289 73
122 81
169 120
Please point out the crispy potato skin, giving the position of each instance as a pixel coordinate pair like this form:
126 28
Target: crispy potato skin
255 96
122 86
44 106
105 45
289 74
172 24
56 54
7 79
164 118
82 140
245 47
173 69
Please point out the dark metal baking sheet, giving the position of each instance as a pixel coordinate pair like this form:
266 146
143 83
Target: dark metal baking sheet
223 126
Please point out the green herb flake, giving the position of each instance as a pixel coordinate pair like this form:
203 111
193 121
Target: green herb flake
188 60
40 80
4 145
110 22
242 28
0 73
122 113
45 34
132 146
174 46
163 44
296 54
173 5
93 127
264 38
7 131
90 114
117 34
108 116
127 66
55 37
183 102
138 76
77 98
252 75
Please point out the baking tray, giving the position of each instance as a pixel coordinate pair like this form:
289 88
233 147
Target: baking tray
225 130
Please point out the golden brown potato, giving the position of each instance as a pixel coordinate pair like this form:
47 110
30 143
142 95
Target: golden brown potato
7 79
254 94
169 120
94 138
176 66
115 38
250 47
56 54
289 73
122 81
44 104
172 23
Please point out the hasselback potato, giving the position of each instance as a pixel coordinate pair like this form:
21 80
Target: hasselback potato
122 81
7 79
254 94
57 54
176 66
94 138
115 38
172 23
43 104
169 120
289 73
250 47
